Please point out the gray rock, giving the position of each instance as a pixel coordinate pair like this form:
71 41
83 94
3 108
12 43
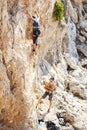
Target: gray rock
83 49
83 25
81 38
84 34
78 83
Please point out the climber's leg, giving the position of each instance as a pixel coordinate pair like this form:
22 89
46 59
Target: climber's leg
34 42
43 96
50 104
50 99
39 101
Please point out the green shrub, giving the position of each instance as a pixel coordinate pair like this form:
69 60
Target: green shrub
58 11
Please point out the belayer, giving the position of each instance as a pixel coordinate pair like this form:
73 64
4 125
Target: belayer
50 87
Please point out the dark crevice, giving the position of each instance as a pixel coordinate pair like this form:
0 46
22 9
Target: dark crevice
68 88
85 7
84 66
12 89
82 30
81 55
69 68
10 79
77 95
12 7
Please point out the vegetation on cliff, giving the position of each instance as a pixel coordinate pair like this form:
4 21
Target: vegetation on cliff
58 11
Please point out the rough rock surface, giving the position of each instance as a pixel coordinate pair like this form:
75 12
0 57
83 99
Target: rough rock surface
61 54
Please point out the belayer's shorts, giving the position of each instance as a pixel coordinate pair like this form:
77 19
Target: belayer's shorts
50 94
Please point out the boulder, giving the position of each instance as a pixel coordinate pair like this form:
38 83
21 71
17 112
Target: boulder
78 83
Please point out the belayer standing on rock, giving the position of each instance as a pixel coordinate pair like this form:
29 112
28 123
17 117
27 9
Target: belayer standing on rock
50 87
36 29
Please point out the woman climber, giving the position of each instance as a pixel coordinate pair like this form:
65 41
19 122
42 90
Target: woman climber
36 29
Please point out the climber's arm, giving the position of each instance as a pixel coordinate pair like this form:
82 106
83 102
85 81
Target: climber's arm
46 86
37 13
54 88
31 16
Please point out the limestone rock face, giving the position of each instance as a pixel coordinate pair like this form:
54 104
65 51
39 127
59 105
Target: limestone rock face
77 83
62 54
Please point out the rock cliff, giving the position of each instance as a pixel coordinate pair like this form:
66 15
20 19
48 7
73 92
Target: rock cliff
62 54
